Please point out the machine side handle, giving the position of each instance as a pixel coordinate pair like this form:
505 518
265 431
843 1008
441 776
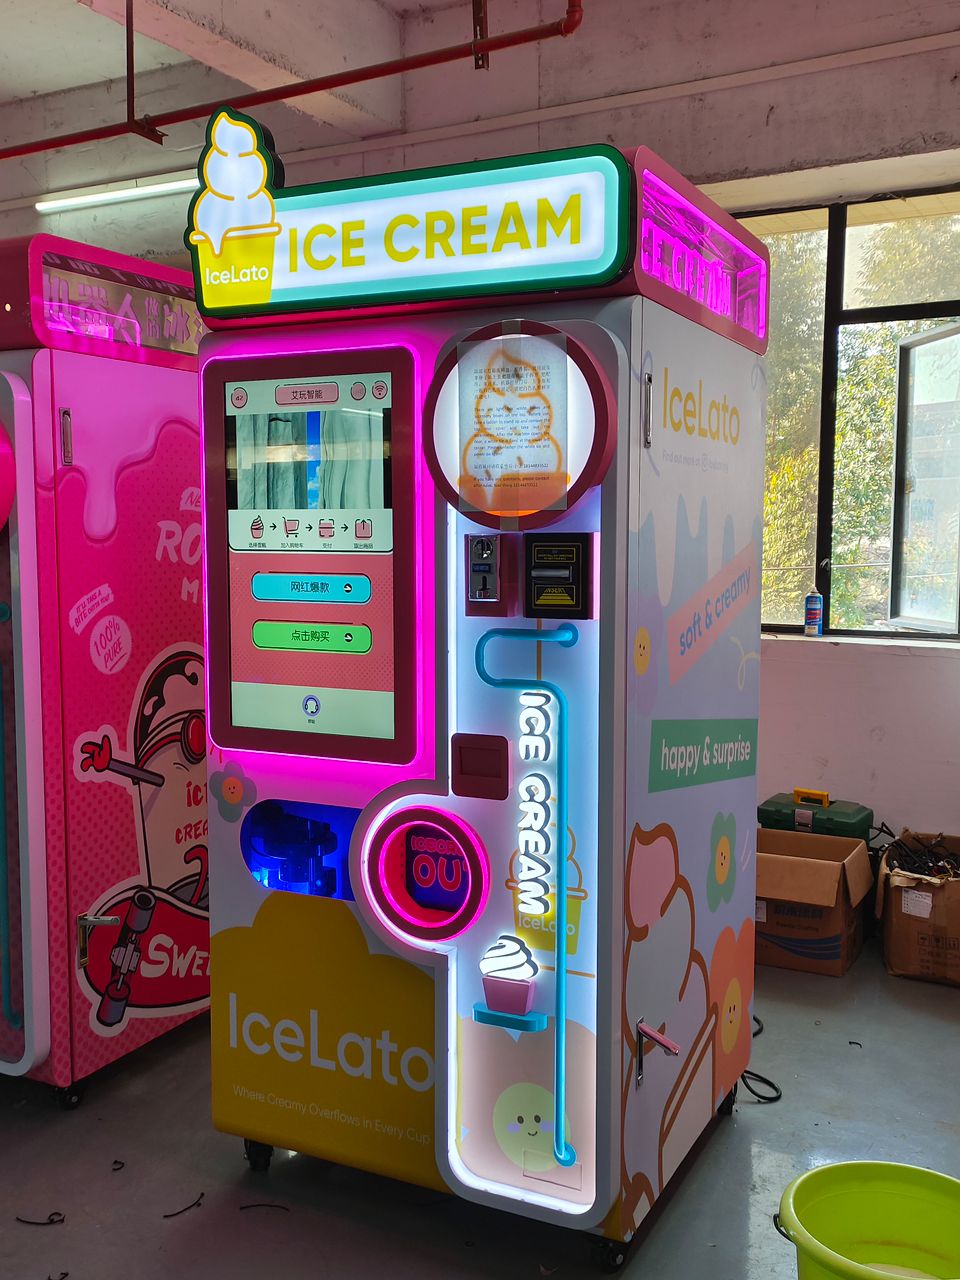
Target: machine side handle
646 410
645 1032
85 926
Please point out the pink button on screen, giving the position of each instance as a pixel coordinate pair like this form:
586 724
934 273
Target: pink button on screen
309 393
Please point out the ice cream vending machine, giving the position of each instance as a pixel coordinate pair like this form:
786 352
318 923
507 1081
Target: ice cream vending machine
104 934
483 452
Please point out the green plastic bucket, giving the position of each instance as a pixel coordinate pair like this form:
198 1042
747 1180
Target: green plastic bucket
866 1221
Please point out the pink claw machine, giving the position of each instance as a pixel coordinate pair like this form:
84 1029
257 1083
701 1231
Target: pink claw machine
103 830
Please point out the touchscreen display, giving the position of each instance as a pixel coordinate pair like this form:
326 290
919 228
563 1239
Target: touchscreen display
309 458
310 525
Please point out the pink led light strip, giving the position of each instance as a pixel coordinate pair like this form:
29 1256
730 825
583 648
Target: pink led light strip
690 253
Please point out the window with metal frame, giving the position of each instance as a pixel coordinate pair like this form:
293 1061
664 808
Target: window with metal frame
863 433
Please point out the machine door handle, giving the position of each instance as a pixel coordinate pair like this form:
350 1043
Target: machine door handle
645 1032
85 926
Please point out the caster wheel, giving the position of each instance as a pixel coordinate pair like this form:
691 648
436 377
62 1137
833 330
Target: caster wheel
68 1098
258 1155
610 1255
726 1106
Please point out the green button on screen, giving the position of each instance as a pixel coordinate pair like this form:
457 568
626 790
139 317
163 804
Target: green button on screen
313 638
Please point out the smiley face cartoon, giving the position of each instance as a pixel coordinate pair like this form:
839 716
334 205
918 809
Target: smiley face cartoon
232 790
721 868
731 1015
641 651
723 857
523 1125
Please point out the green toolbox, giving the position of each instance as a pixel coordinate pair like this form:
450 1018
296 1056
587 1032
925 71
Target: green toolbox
802 810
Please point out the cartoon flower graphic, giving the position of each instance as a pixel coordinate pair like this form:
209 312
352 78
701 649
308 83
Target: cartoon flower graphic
722 871
234 791
731 990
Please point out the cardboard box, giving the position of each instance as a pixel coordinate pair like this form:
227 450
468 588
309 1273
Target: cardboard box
809 891
921 921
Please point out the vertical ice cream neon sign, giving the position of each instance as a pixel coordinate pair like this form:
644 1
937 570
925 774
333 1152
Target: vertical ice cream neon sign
534 864
538 694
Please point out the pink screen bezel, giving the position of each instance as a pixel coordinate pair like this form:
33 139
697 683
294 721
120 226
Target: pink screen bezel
398 362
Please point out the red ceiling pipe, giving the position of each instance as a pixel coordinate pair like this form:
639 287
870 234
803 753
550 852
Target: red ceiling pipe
148 127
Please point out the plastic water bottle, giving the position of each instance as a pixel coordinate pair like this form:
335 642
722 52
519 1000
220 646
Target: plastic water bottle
813 614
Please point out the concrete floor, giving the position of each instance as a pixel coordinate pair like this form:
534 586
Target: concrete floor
893 1099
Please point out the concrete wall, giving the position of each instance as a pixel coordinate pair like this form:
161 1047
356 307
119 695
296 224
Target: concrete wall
792 117
724 89
875 722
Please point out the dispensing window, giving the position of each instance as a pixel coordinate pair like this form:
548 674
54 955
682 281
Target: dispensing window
300 848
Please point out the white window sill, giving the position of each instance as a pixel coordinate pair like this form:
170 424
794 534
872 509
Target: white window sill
902 644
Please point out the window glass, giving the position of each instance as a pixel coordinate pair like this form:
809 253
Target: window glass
902 251
927 500
868 359
798 261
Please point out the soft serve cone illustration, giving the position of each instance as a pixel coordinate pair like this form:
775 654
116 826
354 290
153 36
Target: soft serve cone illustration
234 226
513 464
508 972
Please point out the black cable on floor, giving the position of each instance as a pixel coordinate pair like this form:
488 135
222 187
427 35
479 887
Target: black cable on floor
751 1078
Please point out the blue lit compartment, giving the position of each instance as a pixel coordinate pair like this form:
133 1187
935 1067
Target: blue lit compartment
299 848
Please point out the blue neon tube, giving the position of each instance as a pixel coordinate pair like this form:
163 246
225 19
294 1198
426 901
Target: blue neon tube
567 635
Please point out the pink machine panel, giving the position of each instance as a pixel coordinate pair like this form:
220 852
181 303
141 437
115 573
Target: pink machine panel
103 869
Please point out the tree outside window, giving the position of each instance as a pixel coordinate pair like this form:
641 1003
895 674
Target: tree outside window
898 258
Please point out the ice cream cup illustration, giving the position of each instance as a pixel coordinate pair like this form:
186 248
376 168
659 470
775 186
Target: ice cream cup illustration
256 528
509 976
168 771
538 932
242 275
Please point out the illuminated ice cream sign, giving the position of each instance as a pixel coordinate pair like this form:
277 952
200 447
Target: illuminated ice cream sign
535 847
691 256
552 221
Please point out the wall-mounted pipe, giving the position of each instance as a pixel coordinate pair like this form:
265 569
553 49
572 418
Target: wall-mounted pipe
151 126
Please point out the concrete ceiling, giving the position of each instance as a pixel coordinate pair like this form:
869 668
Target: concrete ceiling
759 91
52 45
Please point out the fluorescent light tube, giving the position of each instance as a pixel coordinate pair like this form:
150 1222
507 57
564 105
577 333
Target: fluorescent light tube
59 204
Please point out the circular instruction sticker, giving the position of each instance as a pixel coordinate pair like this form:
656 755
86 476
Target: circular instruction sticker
519 424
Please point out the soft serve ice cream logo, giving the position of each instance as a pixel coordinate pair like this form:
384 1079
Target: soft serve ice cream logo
234 227
509 972
553 220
